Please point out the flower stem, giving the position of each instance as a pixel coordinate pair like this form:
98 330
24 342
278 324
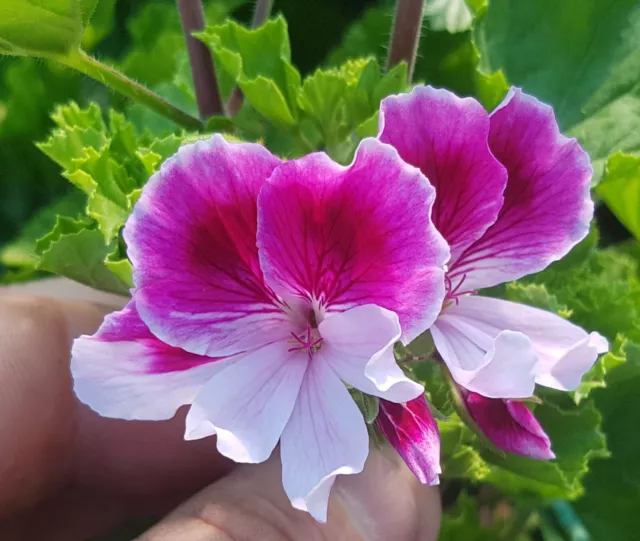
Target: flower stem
79 60
202 67
516 525
405 37
260 16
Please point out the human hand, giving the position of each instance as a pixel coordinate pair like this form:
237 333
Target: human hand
68 474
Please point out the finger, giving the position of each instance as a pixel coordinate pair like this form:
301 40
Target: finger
36 402
384 502
64 289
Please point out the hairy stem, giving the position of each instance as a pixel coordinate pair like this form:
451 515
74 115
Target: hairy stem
407 23
260 16
119 82
202 66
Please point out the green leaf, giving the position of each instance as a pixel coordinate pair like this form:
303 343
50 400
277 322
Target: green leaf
620 189
21 251
121 267
367 404
536 295
463 523
260 61
43 27
581 56
76 249
609 507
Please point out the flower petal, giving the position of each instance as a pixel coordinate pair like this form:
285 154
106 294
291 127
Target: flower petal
124 371
325 437
249 403
547 204
413 432
446 137
192 241
358 345
493 362
347 236
565 351
510 425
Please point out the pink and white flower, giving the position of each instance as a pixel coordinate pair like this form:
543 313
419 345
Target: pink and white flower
512 196
261 287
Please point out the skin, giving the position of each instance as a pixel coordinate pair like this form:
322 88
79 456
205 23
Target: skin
69 474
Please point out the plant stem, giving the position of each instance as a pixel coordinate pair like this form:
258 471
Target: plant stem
260 16
202 66
407 24
119 82
516 525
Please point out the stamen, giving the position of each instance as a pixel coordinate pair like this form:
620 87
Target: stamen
308 342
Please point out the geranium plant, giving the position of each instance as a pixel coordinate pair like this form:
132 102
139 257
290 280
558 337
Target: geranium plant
396 248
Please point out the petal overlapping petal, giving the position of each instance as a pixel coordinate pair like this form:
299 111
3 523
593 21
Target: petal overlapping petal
565 352
446 137
192 241
412 431
358 345
510 425
547 206
124 371
347 236
489 360
326 436
248 404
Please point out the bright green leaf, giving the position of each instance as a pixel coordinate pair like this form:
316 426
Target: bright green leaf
367 404
76 250
620 189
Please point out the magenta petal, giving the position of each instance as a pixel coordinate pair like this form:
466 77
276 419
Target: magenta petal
124 371
192 241
510 425
446 137
547 205
413 432
348 236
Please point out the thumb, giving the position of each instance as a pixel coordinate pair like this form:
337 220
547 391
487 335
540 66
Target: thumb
384 502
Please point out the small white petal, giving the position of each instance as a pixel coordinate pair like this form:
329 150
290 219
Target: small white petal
358 344
325 437
249 403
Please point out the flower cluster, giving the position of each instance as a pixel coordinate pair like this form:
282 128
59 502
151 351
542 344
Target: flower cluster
262 287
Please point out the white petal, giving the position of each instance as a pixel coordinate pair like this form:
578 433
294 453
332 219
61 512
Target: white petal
358 344
197 425
249 403
325 437
110 378
565 351
500 365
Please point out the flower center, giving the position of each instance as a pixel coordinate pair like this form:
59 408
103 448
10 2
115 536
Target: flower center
454 292
309 341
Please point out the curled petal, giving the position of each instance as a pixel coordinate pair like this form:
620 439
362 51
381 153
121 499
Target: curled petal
325 437
510 425
358 345
547 204
446 137
347 236
192 241
493 362
124 371
565 352
413 432
249 403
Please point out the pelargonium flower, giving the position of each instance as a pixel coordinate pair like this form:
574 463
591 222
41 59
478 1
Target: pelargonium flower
261 287
512 196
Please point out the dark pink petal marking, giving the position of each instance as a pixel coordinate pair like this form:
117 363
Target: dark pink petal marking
547 206
349 236
510 425
413 432
192 242
446 137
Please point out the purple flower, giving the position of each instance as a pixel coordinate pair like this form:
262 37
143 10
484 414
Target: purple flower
512 196
510 425
413 432
260 287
